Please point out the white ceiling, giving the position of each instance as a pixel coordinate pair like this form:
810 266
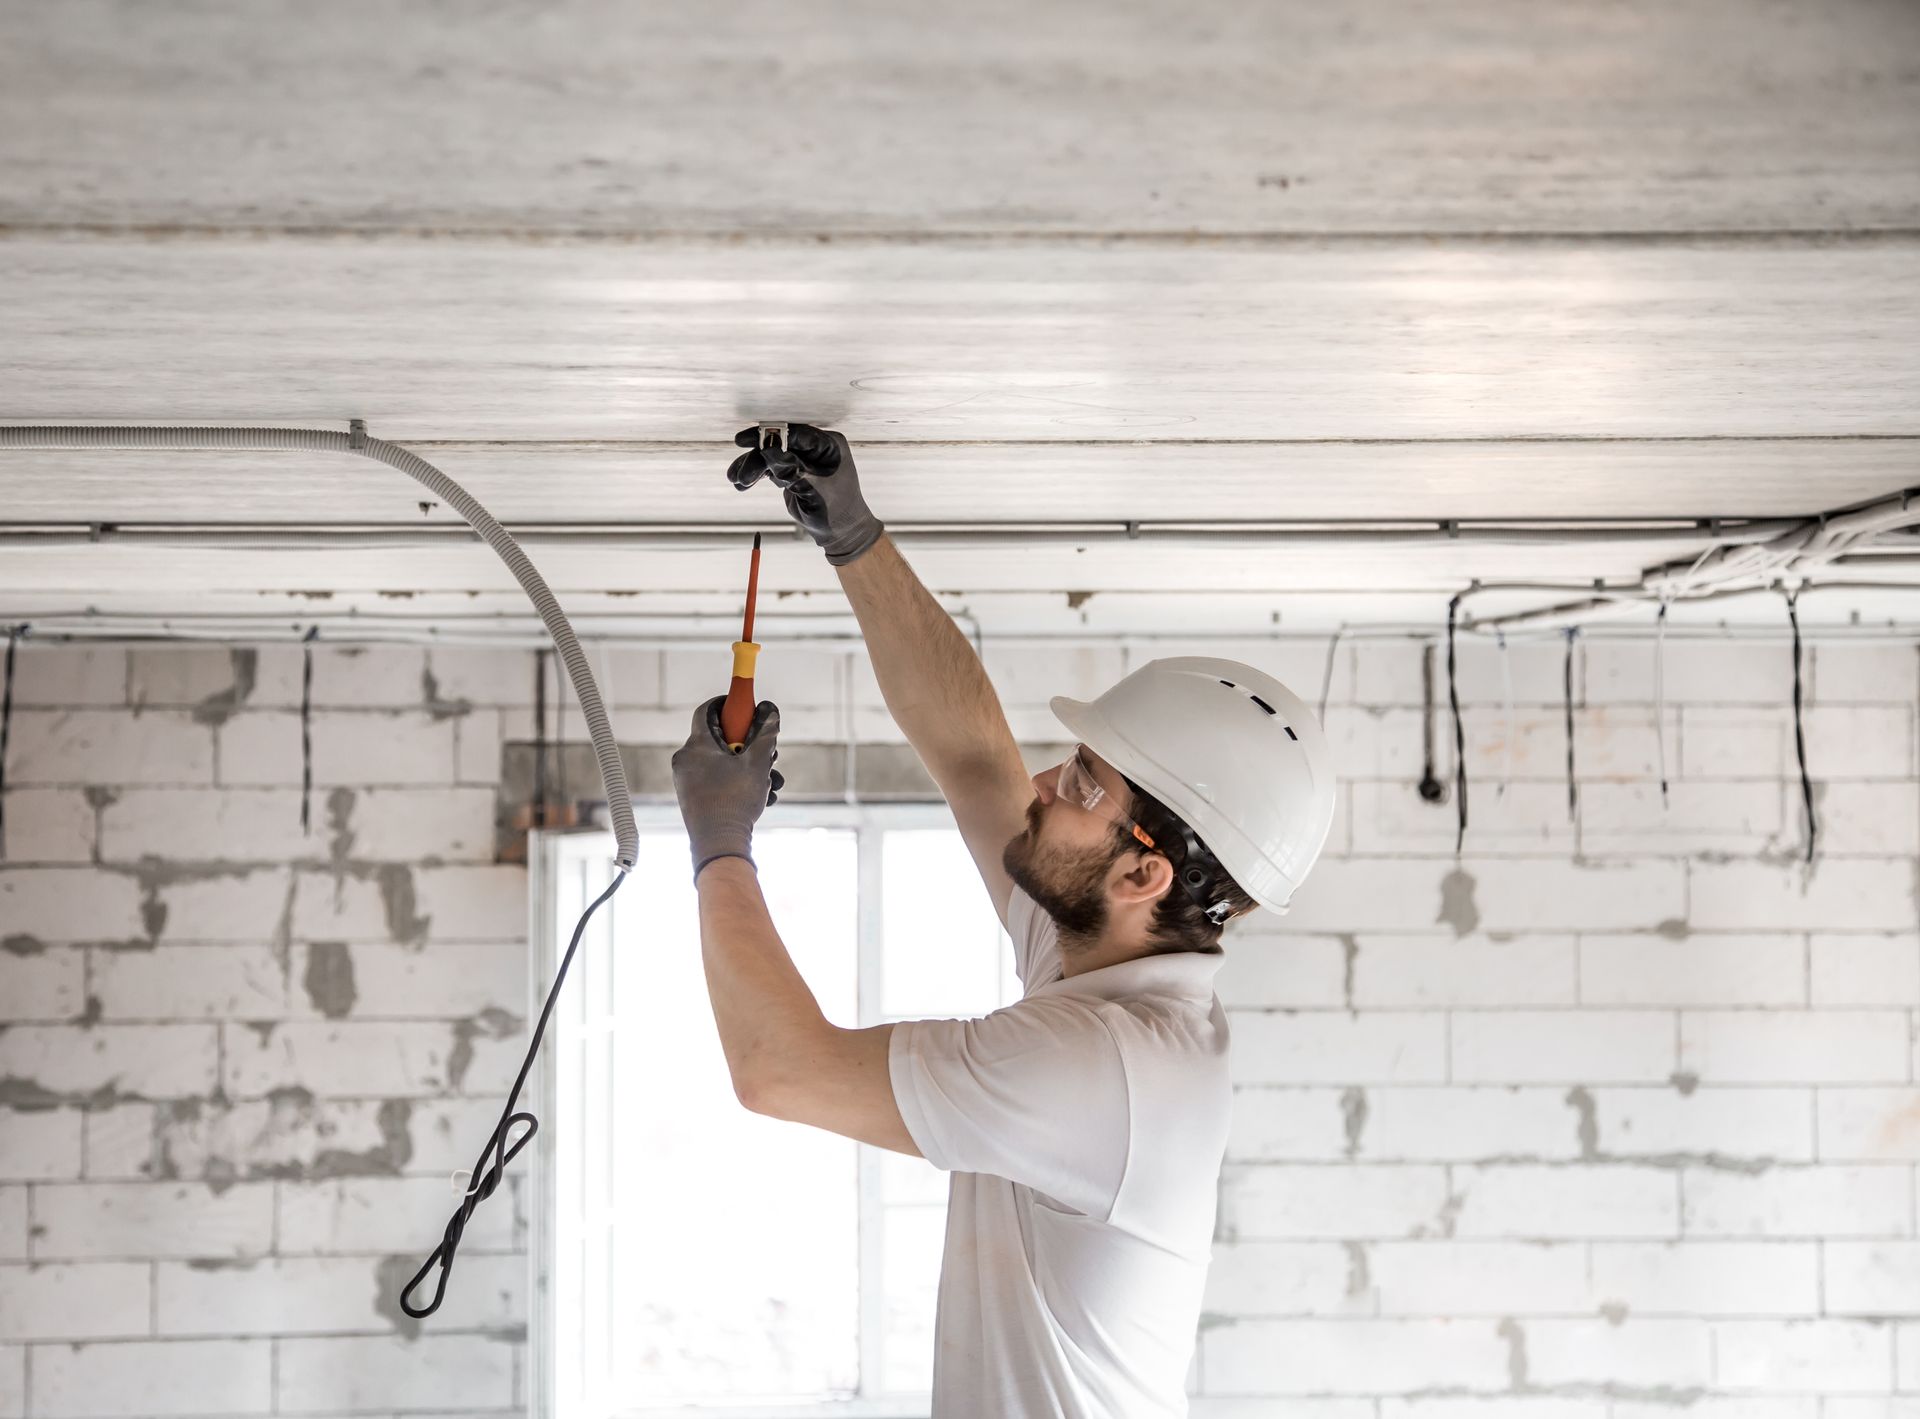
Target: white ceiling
1047 265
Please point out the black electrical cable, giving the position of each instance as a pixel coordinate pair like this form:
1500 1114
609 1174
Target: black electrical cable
1659 700
306 728
1459 735
1799 740
486 1177
6 725
1426 724
1572 631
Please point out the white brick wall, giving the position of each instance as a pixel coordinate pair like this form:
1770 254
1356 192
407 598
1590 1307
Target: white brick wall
234 1082
1608 1118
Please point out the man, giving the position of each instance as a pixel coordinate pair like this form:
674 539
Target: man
1084 1125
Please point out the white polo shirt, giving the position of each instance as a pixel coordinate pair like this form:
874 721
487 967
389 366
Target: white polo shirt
1084 1126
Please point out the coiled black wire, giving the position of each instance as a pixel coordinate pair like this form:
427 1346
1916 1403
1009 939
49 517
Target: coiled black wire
486 1177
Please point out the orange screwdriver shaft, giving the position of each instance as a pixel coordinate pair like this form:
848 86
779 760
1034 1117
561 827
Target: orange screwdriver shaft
736 715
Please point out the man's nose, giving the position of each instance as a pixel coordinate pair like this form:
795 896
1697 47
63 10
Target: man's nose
1044 784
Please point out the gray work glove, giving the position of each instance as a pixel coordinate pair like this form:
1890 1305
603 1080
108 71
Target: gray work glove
721 793
816 473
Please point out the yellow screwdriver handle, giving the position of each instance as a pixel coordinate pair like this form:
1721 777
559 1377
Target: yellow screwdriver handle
736 715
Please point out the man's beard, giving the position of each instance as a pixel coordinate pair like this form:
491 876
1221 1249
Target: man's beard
1072 889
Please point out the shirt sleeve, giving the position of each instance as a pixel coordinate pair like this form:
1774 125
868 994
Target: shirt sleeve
1035 1093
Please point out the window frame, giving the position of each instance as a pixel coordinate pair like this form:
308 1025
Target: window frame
554 853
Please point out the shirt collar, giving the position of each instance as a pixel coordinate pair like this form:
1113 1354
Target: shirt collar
1186 974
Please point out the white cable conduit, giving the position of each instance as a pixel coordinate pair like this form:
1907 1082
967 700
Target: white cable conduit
354 631
1178 536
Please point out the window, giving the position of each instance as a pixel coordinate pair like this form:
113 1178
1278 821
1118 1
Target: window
696 1259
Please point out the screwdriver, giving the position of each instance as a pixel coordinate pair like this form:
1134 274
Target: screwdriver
736 715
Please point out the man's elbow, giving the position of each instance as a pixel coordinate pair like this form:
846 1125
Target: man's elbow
770 1078
757 1085
752 1093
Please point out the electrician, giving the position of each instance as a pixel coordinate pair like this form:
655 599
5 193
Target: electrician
1085 1124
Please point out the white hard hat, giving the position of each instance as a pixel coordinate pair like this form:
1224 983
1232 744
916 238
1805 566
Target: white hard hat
1232 752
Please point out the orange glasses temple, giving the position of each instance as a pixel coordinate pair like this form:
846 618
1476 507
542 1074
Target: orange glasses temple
1132 826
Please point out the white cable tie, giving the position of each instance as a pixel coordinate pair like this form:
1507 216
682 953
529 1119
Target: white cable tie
462 1182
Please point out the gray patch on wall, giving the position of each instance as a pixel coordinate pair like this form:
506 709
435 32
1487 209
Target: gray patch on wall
395 880
390 1276
1457 907
393 1154
492 1022
216 709
1516 1353
1353 1108
1580 1100
430 694
329 978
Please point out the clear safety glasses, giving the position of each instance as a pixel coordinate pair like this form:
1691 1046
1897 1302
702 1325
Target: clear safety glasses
1078 785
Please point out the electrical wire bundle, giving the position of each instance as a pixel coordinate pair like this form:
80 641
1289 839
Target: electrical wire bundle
1786 561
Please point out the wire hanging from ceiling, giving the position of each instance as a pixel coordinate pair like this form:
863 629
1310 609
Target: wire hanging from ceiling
306 730
1567 672
1659 697
1459 735
6 726
1799 740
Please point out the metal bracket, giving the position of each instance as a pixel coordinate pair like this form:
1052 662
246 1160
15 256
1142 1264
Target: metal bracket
775 436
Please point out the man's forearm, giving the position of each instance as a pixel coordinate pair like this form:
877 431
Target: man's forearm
762 1006
933 682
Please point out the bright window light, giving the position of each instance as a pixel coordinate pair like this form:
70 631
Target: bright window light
701 1259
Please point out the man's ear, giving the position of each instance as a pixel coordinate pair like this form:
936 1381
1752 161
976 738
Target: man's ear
1150 876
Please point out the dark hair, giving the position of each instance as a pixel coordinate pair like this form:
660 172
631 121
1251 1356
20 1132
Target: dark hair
1178 922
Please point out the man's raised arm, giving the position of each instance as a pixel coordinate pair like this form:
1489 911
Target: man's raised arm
933 682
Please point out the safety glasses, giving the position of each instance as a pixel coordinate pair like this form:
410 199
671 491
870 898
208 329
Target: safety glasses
1078 785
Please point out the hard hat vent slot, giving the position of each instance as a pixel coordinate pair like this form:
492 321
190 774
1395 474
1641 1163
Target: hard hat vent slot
1262 703
1290 734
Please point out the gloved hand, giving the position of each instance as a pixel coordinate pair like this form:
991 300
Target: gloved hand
721 793
816 473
